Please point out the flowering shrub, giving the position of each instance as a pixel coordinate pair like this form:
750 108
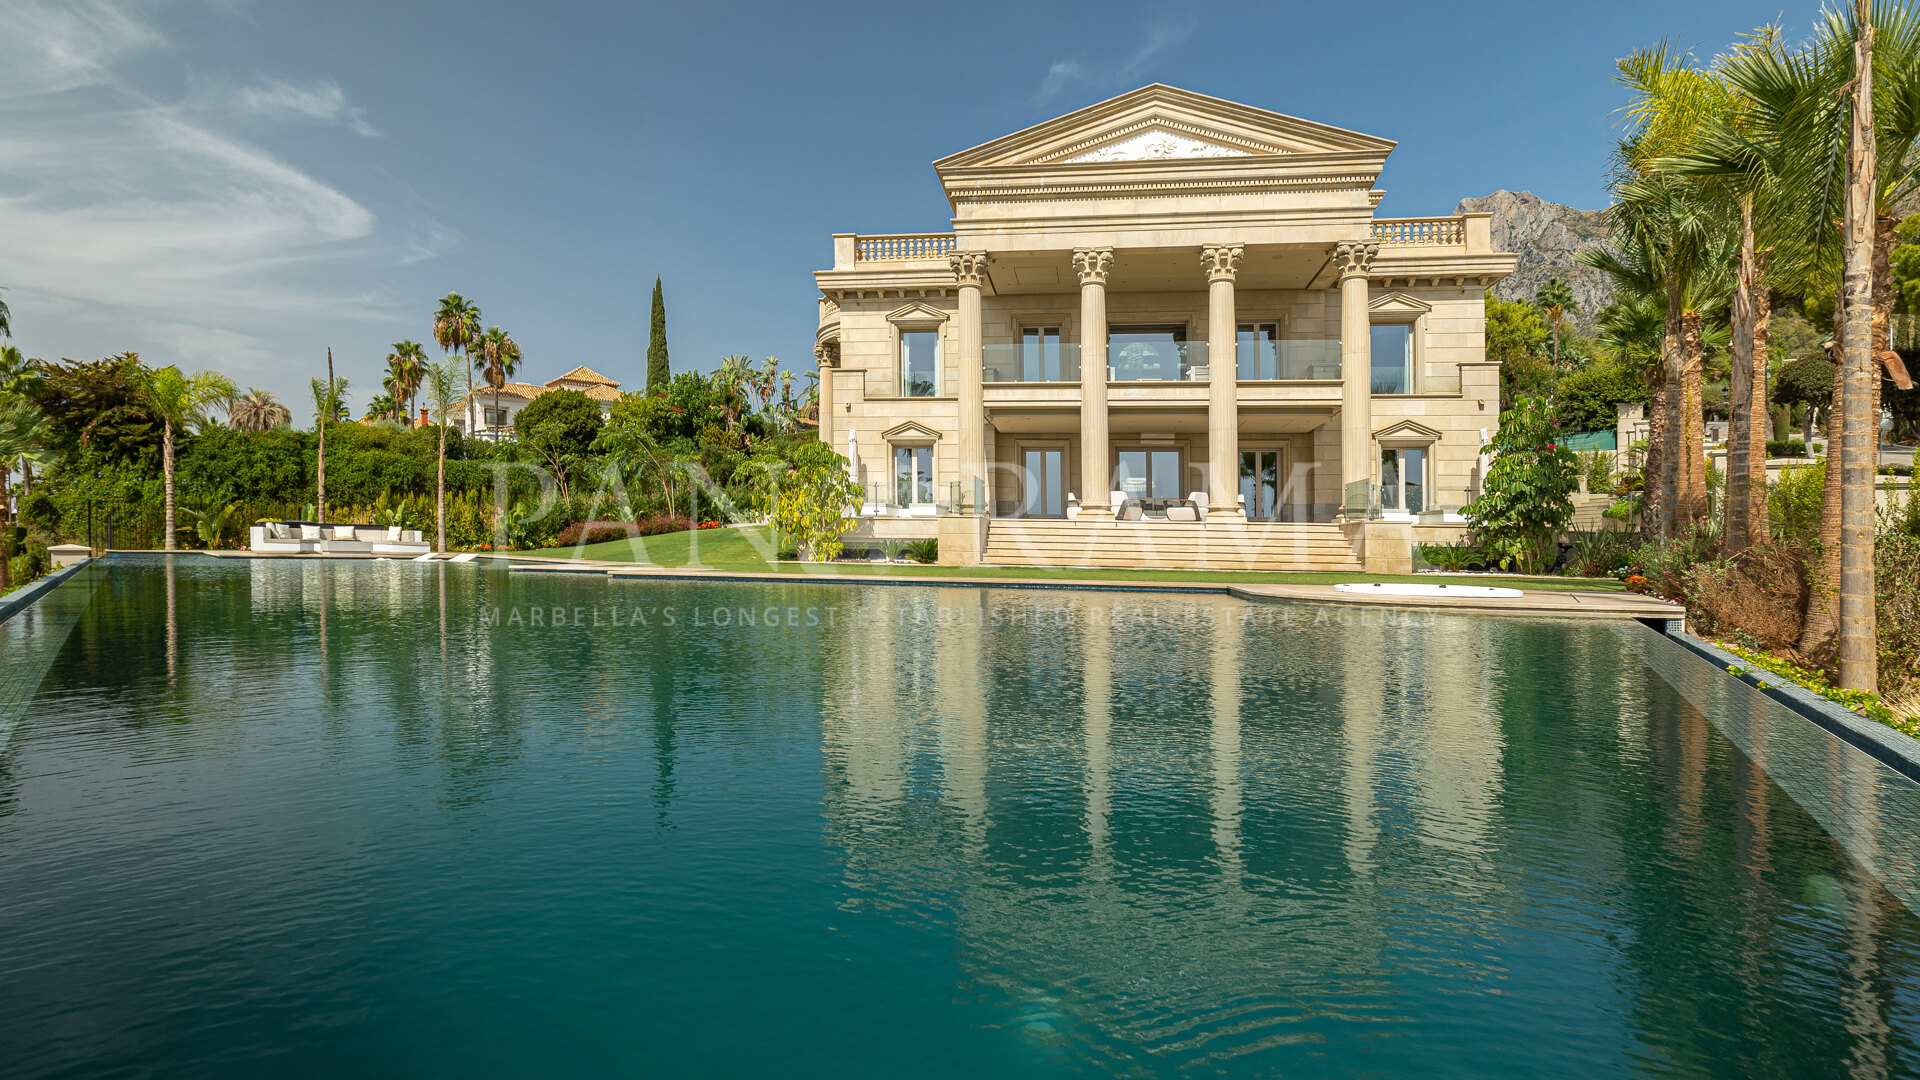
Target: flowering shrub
710 524
599 532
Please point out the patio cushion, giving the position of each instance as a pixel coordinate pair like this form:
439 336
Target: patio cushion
309 532
1181 513
277 530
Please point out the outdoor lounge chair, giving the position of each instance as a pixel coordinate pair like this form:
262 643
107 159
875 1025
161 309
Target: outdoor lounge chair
278 537
343 540
1200 504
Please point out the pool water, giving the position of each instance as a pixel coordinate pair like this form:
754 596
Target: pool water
307 818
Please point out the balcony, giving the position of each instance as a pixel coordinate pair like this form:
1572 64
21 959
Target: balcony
1032 362
903 247
1289 360
1420 232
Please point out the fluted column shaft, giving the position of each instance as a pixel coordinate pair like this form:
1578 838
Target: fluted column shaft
1356 365
969 269
1222 264
1093 264
827 354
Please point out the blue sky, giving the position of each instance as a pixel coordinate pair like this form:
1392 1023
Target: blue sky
240 184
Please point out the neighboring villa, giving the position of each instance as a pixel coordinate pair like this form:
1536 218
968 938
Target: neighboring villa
1166 328
485 417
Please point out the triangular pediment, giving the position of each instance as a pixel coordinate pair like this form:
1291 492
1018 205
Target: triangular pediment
1163 123
917 313
1395 303
1408 431
910 432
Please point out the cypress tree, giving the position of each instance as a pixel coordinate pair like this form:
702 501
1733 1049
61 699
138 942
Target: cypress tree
657 373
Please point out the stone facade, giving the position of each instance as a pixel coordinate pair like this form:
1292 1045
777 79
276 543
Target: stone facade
1070 331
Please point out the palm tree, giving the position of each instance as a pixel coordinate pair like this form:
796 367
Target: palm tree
456 325
1555 300
329 407
177 400
407 362
6 319
20 377
258 410
337 397
440 401
496 355
23 433
733 379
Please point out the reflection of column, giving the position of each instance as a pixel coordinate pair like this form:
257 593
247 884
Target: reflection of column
969 270
1226 746
1356 364
1866 1012
1092 264
1098 688
828 355
1223 407
963 736
1360 694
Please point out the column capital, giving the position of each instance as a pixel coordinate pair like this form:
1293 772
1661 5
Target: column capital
827 353
969 267
1221 261
1354 259
1092 264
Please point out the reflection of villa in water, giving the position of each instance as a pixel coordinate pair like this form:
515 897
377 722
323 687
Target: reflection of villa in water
1278 791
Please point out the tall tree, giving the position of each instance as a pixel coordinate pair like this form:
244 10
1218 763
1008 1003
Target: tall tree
441 387
176 400
24 378
497 357
6 319
456 324
329 407
1555 301
23 433
658 374
408 365
257 410
1860 445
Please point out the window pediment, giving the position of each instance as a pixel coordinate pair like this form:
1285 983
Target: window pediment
1406 433
910 433
918 316
1397 305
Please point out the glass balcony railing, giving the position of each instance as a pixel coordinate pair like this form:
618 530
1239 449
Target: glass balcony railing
1289 359
1032 362
1156 361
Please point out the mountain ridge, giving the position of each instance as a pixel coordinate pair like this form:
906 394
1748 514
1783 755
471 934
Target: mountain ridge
1547 237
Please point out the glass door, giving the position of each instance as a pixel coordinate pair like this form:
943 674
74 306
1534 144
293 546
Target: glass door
1148 474
1044 478
913 475
1040 354
1260 483
1403 474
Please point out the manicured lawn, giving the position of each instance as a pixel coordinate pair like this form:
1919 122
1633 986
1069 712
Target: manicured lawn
740 550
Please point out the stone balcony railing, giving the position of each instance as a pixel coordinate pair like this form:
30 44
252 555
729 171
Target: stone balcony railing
1426 232
902 246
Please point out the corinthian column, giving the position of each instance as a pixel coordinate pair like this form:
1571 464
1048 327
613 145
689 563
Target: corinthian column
1222 263
1092 264
969 268
1356 367
827 354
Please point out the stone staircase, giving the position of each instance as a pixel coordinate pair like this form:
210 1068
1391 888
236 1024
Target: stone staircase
1169 545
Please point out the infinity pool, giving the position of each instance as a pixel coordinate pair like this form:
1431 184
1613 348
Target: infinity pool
329 818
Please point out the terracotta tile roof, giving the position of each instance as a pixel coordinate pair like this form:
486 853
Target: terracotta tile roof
583 374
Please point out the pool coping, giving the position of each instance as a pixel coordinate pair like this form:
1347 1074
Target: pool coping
19 599
1894 749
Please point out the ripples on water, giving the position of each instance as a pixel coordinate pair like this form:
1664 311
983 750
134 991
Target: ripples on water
312 818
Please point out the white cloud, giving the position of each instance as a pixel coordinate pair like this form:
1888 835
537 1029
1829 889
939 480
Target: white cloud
1069 71
321 101
128 221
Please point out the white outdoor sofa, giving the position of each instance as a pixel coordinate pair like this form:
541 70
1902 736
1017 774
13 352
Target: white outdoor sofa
297 537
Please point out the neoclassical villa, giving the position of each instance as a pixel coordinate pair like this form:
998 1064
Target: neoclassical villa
1166 329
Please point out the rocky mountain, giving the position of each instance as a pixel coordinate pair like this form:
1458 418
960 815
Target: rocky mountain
1546 236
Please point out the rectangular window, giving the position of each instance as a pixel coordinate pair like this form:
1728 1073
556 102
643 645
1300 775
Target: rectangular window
1040 354
1260 483
1148 474
496 417
1392 346
1403 475
912 475
919 363
1044 479
1259 349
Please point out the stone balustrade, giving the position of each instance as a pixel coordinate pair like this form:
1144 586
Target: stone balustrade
1427 232
902 246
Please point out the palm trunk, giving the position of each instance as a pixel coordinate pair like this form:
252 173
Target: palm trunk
326 417
6 537
1651 508
166 470
1820 628
1673 360
1692 441
1747 391
1866 328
